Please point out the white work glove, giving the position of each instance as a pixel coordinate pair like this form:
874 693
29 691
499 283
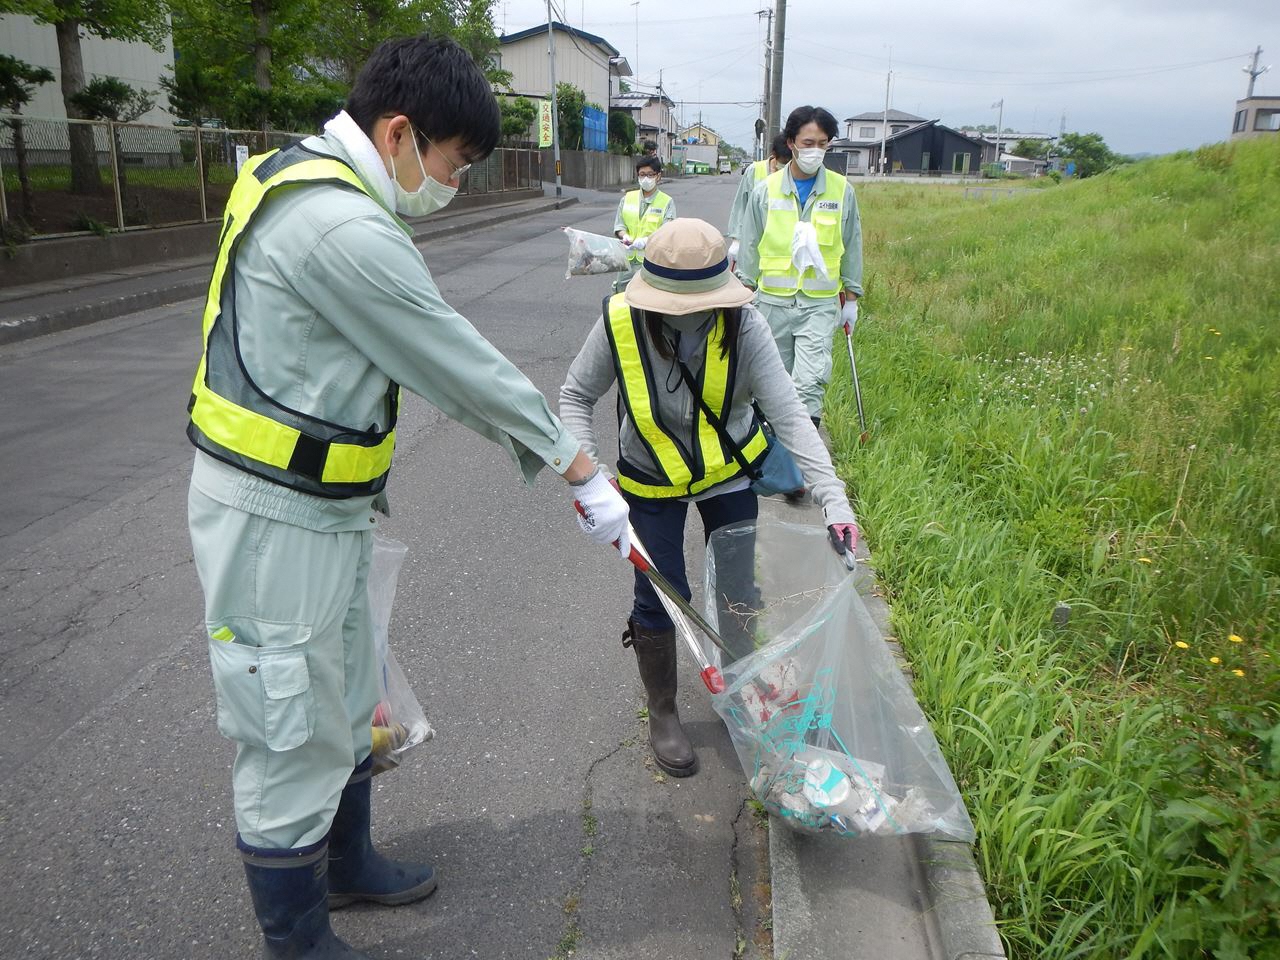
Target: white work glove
604 514
733 251
639 244
849 313
625 238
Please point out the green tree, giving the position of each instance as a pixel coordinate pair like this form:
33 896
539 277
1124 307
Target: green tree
1089 152
569 103
143 21
18 79
622 129
518 115
110 98
1032 149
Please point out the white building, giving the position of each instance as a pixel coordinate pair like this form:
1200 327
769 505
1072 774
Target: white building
135 63
590 63
1256 116
870 126
655 117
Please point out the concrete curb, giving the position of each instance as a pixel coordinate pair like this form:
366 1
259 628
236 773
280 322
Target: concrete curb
37 325
810 919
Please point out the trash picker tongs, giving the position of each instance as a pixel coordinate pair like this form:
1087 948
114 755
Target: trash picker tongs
674 602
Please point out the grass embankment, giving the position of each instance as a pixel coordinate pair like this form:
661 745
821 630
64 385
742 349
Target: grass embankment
1075 399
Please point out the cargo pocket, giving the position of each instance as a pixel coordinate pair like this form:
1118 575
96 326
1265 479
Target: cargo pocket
262 682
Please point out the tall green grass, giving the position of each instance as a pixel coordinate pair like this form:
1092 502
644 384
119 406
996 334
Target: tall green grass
1074 397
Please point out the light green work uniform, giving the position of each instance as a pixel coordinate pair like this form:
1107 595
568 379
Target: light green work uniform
752 176
619 225
333 301
802 325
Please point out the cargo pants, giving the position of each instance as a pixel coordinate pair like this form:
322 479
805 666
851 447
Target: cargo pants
291 648
803 329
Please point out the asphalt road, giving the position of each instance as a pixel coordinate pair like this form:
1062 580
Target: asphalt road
535 800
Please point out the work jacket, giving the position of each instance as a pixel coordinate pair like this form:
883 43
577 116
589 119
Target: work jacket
757 374
333 303
778 195
641 217
778 275
752 176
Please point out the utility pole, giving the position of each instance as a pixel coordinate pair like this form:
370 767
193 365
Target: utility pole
775 88
1253 71
555 113
884 128
663 116
637 70
999 123
764 102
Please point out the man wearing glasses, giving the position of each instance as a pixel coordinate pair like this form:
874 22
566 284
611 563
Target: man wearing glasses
800 248
319 308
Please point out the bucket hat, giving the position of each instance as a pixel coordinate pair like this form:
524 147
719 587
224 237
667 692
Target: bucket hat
685 270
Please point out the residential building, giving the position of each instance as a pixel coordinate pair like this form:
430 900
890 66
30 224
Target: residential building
870 126
1004 142
136 64
590 63
700 133
655 117
924 149
1256 116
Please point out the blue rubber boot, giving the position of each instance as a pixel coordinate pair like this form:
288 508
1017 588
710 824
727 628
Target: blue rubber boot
359 872
289 890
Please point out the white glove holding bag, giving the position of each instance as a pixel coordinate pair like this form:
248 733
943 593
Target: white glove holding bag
733 251
639 243
603 514
849 313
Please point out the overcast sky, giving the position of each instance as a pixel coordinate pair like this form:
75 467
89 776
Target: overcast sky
1136 71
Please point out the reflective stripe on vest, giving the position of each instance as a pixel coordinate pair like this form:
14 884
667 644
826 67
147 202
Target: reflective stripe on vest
232 419
777 276
688 465
638 226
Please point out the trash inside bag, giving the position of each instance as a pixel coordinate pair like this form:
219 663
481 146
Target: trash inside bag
399 723
805 251
824 722
590 253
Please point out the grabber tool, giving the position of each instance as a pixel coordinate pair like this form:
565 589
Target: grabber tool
680 611
853 369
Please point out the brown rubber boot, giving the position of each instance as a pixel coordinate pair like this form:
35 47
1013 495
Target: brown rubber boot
656 657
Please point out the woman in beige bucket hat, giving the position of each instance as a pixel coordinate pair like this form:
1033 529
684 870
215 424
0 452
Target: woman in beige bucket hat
685 323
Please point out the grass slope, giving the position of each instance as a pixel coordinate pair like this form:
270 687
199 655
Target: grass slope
1075 400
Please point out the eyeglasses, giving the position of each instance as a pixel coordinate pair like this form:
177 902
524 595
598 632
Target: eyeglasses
458 171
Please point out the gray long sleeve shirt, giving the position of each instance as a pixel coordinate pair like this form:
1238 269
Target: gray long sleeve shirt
760 375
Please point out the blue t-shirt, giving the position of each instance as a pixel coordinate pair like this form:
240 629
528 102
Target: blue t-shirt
804 188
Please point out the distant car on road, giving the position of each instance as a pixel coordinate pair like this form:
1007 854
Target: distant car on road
725 165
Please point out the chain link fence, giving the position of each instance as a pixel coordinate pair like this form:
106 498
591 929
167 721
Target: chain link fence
60 177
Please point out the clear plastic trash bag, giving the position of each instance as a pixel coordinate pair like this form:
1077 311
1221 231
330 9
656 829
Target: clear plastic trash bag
822 718
590 253
399 723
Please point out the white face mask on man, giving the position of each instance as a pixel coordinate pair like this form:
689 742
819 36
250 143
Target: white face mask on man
809 159
431 196
647 184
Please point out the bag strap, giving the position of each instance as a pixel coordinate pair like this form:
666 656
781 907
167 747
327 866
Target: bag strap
715 421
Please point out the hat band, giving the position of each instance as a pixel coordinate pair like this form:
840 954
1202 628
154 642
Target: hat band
674 280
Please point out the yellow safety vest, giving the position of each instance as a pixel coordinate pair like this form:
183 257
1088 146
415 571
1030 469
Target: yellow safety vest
760 169
689 465
232 419
638 226
777 276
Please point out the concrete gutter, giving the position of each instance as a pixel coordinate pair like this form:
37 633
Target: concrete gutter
26 310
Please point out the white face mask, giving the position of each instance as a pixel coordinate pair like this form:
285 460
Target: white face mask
431 196
809 159
648 183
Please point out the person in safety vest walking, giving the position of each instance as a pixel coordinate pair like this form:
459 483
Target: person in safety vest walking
319 309
752 176
640 213
685 324
801 249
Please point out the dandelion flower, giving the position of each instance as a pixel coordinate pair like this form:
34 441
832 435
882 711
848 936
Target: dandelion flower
1215 659
1182 645
1238 673
1236 638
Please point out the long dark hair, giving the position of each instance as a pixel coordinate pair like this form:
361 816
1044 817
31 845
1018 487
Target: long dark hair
653 324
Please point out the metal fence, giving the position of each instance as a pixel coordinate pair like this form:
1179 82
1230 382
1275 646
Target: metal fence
60 177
